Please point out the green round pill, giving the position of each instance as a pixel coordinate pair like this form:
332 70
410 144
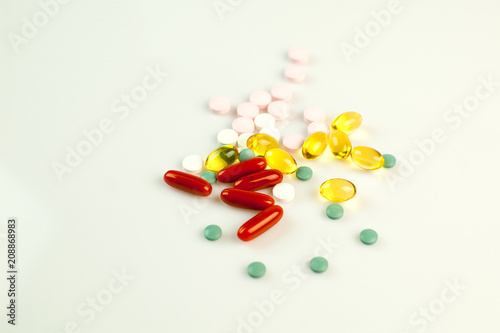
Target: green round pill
389 161
318 264
256 269
246 154
368 236
209 176
304 173
213 232
334 211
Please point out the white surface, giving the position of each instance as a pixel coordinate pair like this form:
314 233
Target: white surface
114 212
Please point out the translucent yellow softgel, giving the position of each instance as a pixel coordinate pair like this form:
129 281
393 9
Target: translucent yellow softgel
221 158
337 190
339 144
367 158
280 160
347 122
261 142
314 145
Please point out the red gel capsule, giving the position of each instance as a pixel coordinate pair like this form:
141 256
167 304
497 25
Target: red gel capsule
246 199
188 183
260 223
259 180
236 171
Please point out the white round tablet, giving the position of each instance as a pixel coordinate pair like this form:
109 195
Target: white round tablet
279 109
274 132
317 126
284 192
193 163
264 120
242 140
227 137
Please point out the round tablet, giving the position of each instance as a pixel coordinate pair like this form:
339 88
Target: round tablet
284 192
261 98
317 126
334 211
298 55
264 120
389 161
294 73
248 110
281 92
243 125
193 163
274 132
220 105
227 137
304 173
213 232
314 113
279 110
318 264
293 141
246 154
256 269
209 176
242 140
368 236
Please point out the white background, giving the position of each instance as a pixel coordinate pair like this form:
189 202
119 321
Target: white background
439 222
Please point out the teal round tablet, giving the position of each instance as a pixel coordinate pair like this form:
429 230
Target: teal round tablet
389 161
256 269
246 154
304 173
368 236
318 264
334 211
213 232
209 176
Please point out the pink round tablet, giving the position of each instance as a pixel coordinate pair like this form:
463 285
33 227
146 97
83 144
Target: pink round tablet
317 126
220 105
248 110
279 110
293 141
243 125
261 98
281 92
295 73
314 113
298 55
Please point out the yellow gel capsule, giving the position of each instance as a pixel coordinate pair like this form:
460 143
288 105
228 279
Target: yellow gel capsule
367 158
337 190
280 160
314 145
347 122
221 158
339 144
261 142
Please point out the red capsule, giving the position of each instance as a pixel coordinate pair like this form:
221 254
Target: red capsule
260 223
246 199
259 180
188 183
236 171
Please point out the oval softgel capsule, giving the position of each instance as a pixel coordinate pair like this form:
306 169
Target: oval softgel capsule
280 160
337 190
260 223
221 158
347 122
260 143
315 145
367 158
188 183
340 144
259 180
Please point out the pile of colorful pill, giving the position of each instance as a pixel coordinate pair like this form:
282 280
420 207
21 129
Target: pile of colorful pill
254 161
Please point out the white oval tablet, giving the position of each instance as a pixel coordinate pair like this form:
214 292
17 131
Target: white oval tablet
193 163
284 192
227 137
